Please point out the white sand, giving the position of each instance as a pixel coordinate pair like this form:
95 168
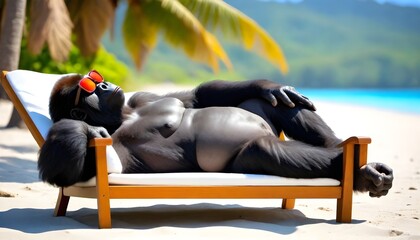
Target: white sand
396 141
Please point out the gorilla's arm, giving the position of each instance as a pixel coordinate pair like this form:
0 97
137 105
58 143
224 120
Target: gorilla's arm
230 94
65 158
314 154
225 93
141 98
266 155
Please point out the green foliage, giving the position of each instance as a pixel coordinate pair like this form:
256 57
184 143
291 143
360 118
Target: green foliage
103 61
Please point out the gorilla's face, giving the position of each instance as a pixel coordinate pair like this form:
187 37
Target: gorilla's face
104 106
100 106
107 97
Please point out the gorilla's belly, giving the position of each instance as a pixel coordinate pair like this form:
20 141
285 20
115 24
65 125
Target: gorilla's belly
216 133
222 132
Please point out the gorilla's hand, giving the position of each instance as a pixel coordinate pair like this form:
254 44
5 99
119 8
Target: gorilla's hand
96 132
286 94
375 178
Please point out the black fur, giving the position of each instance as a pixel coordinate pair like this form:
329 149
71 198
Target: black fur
146 145
61 161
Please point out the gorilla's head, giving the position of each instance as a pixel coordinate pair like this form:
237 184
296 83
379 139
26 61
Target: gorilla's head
87 98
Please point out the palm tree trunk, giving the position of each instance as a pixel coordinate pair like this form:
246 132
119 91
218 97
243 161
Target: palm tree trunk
10 40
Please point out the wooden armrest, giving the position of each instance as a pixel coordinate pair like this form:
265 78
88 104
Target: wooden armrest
96 142
354 156
360 146
356 140
102 184
100 145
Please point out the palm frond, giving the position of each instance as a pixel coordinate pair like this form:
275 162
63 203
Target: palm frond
181 29
216 14
50 22
140 36
91 19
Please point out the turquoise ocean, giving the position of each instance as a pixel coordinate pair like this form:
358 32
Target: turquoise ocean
398 100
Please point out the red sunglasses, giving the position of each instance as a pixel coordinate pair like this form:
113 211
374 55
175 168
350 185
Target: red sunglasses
88 83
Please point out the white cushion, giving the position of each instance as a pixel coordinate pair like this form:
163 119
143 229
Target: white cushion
209 179
33 89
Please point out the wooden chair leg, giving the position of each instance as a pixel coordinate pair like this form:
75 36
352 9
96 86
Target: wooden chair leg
288 203
62 203
344 209
344 204
104 213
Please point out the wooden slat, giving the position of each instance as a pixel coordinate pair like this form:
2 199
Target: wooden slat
224 192
85 192
210 192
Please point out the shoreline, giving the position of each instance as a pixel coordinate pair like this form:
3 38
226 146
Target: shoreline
395 139
398 100
335 104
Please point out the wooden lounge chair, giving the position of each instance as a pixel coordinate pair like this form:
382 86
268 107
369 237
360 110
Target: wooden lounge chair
29 91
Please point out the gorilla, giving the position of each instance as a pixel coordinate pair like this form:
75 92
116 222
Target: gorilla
219 126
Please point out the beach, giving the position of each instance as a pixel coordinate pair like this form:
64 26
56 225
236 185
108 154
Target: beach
27 205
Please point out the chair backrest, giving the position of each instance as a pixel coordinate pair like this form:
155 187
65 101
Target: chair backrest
30 92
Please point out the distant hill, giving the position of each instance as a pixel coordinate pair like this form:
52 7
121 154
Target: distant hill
328 43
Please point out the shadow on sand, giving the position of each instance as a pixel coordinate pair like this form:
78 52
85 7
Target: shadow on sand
13 169
199 215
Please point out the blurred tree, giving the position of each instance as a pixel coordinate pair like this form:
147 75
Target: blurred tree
12 16
110 67
183 24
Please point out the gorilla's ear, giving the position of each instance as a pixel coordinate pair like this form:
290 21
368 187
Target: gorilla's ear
78 114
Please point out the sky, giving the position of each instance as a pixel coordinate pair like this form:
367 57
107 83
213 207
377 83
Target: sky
415 3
